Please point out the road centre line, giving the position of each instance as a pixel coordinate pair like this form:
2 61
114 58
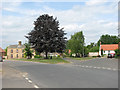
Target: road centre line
36 86
30 81
98 67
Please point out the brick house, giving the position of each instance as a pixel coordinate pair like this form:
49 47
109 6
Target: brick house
2 52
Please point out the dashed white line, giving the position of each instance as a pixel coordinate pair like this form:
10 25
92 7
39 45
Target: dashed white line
29 81
94 67
103 68
36 86
109 68
26 78
114 69
98 67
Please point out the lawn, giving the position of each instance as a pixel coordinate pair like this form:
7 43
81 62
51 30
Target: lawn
49 61
82 58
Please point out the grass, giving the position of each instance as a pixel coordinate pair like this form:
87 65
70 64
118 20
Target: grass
82 58
49 61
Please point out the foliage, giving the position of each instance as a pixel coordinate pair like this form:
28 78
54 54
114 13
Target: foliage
76 43
117 52
28 51
94 49
6 51
37 56
108 39
47 35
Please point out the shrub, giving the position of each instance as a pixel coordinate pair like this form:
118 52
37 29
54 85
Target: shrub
37 56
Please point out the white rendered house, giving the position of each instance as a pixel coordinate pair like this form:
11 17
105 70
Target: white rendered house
108 48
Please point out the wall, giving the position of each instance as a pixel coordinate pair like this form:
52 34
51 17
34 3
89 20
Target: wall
93 54
15 53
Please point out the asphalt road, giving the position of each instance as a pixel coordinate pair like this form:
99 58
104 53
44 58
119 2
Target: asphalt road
82 75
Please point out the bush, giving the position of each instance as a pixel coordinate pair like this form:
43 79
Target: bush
37 56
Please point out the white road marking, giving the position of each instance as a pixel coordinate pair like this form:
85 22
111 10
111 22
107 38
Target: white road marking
109 68
29 81
103 68
114 69
26 78
90 66
82 66
94 67
23 75
36 86
98 67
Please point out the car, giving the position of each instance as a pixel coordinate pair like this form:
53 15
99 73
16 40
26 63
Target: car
1 59
111 55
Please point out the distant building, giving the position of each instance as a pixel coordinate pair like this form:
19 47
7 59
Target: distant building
108 48
16 51
2 52
91 54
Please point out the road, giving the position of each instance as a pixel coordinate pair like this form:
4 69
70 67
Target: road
96 73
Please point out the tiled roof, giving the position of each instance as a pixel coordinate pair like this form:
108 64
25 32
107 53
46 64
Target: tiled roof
1 50
16 46
109 47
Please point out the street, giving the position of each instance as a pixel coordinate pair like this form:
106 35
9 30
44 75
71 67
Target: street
96 73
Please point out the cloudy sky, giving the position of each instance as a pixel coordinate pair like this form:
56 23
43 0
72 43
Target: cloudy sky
93 17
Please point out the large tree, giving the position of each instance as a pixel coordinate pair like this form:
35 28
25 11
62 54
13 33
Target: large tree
47 36
108 39
76 43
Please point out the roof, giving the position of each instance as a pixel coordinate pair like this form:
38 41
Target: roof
16 46
1 50
109 47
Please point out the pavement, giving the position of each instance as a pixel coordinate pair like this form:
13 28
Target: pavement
12 78
78 74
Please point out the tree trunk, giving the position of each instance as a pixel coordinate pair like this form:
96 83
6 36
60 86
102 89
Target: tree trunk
46 53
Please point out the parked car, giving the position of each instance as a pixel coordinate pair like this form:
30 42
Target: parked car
1 59
111 55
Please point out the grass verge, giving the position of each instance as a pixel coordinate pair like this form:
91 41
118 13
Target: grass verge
82 58
49 61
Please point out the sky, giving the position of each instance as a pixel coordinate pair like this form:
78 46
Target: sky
93 17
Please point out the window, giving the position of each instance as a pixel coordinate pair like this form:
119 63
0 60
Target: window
104 51
11 55
23 51
17 55
17 51
109 51
11 50
23 55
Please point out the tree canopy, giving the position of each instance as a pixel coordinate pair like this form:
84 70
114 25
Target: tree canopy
47 36
76 43
108 39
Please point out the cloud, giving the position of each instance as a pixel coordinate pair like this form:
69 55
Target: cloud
91 19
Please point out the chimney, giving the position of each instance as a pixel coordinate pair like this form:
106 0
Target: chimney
19 43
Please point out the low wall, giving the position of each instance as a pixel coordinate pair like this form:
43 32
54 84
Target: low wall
93 54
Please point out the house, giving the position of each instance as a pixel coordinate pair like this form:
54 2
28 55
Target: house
108 48
2 52
16 51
